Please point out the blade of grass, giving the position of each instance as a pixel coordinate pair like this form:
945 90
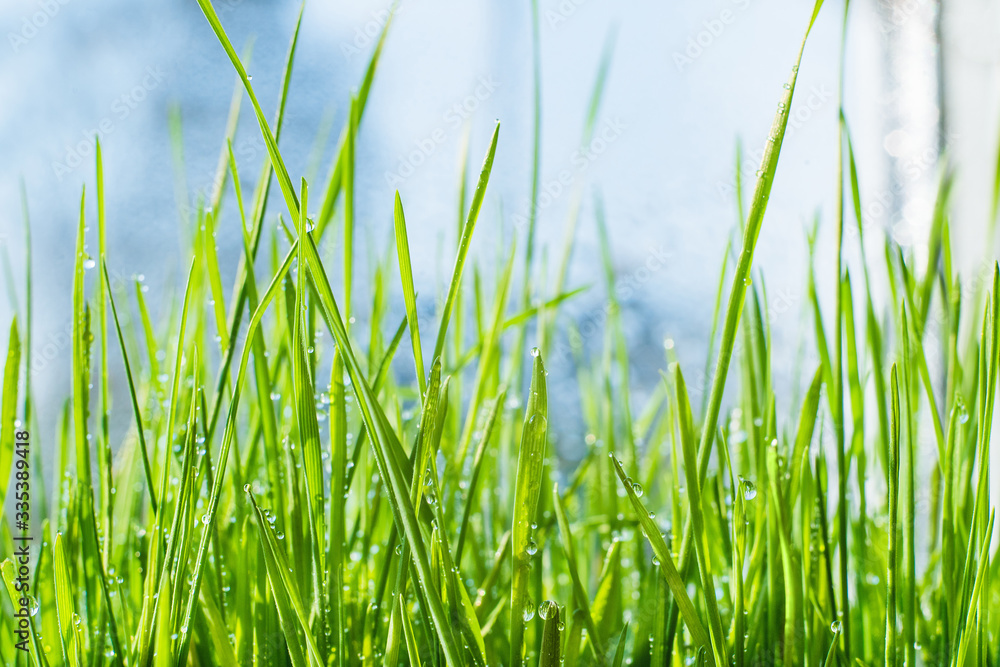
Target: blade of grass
891 642
8 412
664 560
620 651
528 485
385 448
136 412
701 544
741 281
464 241
409 294
580 595
551 654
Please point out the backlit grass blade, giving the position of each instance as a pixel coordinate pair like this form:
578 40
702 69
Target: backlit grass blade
580 595
620 651
463 244
527 488
384 446
338 488
335 183
349 159
908 464
477 466
136 412
223 457
701 541
28 305
664 560
412 651
488 360
219 635
64 600
104 446
93 575
981 574
291 621
244 269
425 449
287 189
8 412
891 646
409 294
9 572
741 276
551 654
308 426
155 570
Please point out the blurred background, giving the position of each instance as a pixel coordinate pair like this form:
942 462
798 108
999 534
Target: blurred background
686 82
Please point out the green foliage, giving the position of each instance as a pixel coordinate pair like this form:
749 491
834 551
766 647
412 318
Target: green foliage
284 497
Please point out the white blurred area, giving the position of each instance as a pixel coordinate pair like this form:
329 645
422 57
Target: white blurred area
686 81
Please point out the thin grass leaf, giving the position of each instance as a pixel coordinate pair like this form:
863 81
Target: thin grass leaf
136 412
281 587
620 651
8 411
551 653
409 294
664 560
701 544
385 448
464 241
528 486
580 596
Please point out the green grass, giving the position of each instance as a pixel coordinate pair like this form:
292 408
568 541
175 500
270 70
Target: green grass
282 497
